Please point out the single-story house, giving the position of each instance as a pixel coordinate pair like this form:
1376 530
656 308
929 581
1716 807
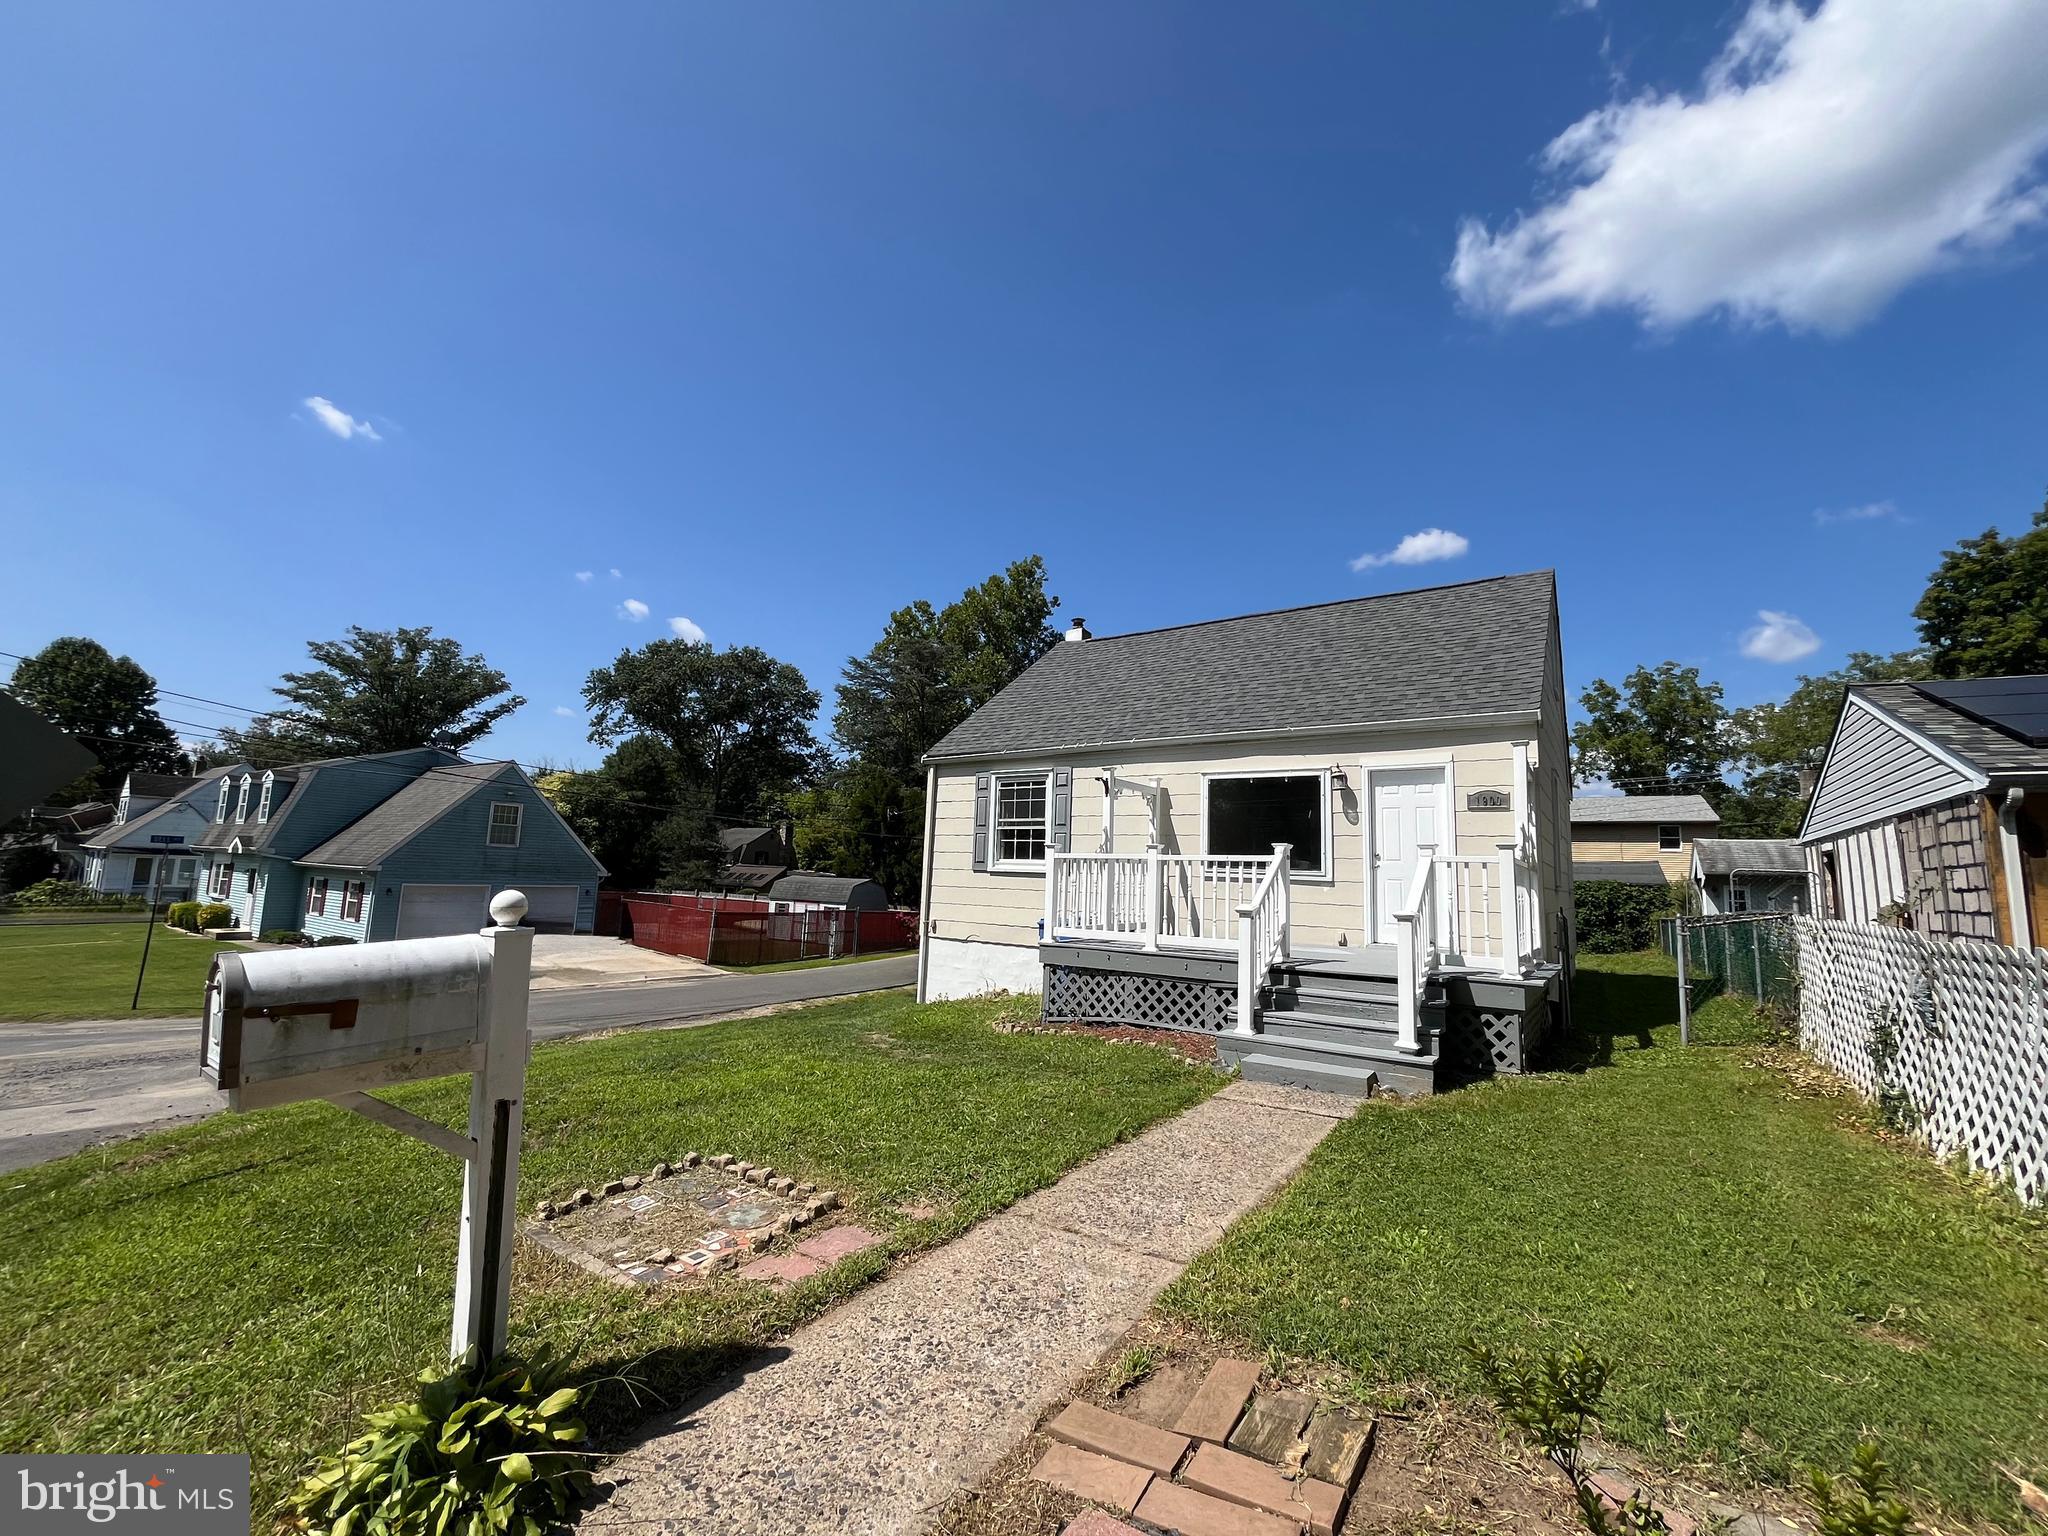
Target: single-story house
806 890
55 836
1931 809
1318 833
1638 839
148 846
1749 874
392 845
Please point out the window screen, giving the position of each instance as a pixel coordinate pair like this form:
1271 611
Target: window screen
1020 820
1248 816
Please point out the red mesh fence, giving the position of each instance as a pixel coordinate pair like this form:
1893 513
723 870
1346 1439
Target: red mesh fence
744 932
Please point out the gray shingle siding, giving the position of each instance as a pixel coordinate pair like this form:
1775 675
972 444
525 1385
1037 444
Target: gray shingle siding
1477 648
1599 810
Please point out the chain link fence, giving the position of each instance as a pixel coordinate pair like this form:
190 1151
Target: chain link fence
1755 956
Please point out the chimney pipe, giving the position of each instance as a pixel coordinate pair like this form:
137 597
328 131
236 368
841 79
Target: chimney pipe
1078 630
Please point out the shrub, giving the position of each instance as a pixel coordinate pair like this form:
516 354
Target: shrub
45 894
1615 917
183 914
476 1452
281 936
327 940
1864 1502
213 914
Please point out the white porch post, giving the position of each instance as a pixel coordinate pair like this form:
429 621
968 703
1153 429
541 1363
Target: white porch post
1510 913
1154 895
1109 811
1052 876
1283 853
1247 973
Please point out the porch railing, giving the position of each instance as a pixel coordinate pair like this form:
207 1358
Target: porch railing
1488 909
1190 901
1418 941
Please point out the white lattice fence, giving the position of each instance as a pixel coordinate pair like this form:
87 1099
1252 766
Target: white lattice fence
1955 1029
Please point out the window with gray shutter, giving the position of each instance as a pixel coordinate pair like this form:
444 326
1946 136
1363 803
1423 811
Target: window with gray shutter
1062 809
981 791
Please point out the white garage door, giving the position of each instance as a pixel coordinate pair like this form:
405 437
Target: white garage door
429 911
550 908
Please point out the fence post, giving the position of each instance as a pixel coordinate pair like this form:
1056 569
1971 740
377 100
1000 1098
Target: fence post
1684 991
1756 960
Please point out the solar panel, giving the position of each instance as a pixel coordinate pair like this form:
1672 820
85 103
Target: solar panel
2018 706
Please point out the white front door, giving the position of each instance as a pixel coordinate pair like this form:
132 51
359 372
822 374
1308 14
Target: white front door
1407 811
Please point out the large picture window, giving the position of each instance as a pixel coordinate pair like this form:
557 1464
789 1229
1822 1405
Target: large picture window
1247 816
1020 807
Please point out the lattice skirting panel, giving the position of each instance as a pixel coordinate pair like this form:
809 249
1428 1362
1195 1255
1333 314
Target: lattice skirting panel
1078 995
1481 1042
1949 1034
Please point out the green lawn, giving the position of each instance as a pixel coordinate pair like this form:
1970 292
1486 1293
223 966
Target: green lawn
808 965
255 1282
1770 1280
87 971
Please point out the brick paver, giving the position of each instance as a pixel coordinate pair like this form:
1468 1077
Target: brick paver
1211 1414
1192 1513
1244 1480
1087 1475
1097 1429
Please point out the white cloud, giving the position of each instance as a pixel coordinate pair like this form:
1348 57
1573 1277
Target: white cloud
1824 162
687 629
1418 549
338 421
565 712
633 610
584 576
616 573
1779 637
1869 512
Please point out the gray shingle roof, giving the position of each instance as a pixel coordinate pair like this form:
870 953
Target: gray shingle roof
836 889
1749 856
1475 648
1976 743
365 843
1588 809
159 785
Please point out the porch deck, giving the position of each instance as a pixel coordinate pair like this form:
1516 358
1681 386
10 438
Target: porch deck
1205 945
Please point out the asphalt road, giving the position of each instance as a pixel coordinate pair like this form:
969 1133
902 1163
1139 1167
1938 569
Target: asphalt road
67 1086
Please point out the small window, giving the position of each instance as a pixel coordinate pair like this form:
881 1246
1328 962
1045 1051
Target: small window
223 879
1667 837
504 828
352 901
141 876
242 801
252 882
263 805
1246 817
220 811
1738 899
1020 820
316 896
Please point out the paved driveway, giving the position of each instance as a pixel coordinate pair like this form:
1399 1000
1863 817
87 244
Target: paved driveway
592 960
67 1086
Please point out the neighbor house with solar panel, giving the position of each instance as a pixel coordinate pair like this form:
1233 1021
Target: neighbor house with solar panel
1931 810
1337 838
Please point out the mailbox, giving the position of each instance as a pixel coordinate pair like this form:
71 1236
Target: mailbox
283 1025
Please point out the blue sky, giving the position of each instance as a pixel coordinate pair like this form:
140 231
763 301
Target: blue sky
793 313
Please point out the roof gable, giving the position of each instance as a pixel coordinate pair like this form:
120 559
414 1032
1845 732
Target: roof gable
1880 765
1748 856
1473 649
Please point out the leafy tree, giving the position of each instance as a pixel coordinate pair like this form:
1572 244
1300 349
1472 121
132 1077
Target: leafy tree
1985 611
620 807
1662 732
1777 744
378 691
108 702
933 668
737 720
864 821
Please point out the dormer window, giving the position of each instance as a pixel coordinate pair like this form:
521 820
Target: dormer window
263 805
242 800
220 812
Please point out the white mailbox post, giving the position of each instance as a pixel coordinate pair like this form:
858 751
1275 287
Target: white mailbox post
332 1024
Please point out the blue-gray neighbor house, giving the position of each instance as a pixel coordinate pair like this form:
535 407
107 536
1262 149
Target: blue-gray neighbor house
397 845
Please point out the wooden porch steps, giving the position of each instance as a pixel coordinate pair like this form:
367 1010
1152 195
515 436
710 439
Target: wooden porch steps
1349 1058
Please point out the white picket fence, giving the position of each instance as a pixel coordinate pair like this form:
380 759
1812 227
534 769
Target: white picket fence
1955 1028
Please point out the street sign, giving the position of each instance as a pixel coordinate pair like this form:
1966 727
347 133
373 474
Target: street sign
287 1025
167 837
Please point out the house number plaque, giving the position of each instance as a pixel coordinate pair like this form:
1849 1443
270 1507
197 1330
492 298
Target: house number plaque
1487 800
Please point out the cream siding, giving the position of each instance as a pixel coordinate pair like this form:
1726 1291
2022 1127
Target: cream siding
1005 907
1624 850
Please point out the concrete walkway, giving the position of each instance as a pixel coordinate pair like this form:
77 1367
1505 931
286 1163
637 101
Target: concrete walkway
888 1406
